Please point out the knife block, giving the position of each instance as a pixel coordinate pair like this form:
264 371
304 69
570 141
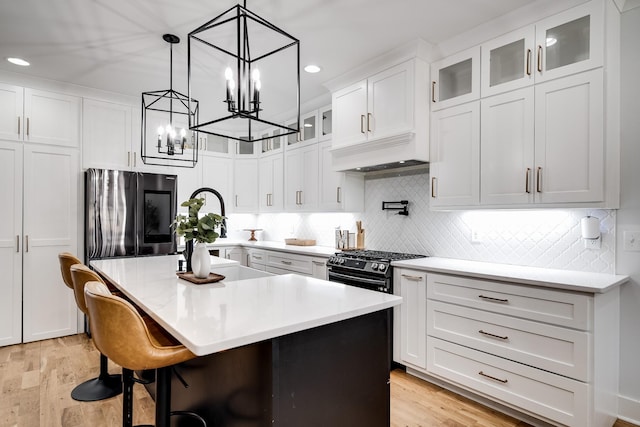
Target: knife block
360 240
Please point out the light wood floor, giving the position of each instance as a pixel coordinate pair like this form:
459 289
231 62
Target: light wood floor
36 380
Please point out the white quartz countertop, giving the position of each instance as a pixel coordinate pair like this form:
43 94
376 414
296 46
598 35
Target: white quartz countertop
561 279
227 314
320 251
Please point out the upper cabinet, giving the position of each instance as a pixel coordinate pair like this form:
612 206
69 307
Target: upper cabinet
107 136
564 44
39 116
338 191
455 79
378 107
325 115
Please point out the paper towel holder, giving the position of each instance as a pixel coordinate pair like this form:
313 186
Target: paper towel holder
590 231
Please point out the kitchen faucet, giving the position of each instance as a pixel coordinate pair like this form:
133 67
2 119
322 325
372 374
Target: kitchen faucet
223 227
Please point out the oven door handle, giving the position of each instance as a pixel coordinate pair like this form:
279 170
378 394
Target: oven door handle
356 278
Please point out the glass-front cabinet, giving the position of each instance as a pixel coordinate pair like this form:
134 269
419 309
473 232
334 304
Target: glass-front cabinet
308 133
326 123
563 44
213 143
245 147
456 79
271 141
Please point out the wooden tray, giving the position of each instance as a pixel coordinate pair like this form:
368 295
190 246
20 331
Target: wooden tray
300 242
189 277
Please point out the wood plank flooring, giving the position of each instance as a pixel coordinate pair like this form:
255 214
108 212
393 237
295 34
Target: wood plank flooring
36 380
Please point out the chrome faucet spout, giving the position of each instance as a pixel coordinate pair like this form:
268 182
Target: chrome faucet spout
223 227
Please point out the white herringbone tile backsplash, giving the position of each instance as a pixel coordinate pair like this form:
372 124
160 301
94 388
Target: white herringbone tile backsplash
541 238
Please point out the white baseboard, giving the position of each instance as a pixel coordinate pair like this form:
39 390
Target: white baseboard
629 409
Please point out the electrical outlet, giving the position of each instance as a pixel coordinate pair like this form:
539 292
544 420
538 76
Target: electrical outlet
593 243
476 236
631 241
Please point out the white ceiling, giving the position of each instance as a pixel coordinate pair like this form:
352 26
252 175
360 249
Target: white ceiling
116 45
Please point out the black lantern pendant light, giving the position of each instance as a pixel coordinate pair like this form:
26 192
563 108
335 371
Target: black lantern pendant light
166 114
249 71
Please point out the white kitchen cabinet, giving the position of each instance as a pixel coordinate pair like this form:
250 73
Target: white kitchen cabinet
325 116
273 143
410 317
11 112
11 242
271 183
564 44
245 184
548 352
217 173
107 136
308 134
507 148
455 79
508 62
256 258
213 144
39 188
39 116
377 107
245 148
319 268
235 254
455 156
338 191
286 263
562 160
570 42
301 179
569 139
189 180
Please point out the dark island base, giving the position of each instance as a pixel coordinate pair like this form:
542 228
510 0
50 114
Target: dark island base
335 375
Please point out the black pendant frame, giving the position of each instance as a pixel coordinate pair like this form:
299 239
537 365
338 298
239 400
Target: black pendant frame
250 110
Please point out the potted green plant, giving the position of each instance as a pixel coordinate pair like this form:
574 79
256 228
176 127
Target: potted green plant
202 230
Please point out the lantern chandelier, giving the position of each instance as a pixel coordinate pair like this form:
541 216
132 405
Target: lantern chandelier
236 57
166 115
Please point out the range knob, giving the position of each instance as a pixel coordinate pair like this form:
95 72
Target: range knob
341 261
382 267
374 266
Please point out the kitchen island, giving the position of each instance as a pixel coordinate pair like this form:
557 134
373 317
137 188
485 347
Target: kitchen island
276 350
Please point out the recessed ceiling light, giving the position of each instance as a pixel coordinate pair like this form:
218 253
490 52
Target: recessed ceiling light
312 68
18 61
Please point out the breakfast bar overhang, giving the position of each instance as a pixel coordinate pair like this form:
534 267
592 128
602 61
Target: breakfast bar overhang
282 350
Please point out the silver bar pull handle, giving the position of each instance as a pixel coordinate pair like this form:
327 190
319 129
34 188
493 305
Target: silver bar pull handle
128 158
318 263
26 243
433 91
18 125
286 262
539 180
527 186
134 159
528 67
433 187
17 243
361 123
492 299
236 200
339 194
27 126
539 58
412 278
493 335
492 378
369 117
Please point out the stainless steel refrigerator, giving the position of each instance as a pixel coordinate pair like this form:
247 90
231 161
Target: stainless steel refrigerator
129 213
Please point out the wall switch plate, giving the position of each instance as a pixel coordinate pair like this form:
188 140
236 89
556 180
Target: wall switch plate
631 241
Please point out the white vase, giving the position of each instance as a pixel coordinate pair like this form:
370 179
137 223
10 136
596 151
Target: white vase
200 261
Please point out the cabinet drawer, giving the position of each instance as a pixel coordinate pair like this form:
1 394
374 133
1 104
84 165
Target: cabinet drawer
292 263
559 350
531 390
556 307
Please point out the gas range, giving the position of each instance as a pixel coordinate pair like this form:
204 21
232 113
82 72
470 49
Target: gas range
366 268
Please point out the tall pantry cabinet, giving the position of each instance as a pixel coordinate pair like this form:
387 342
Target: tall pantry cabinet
39 184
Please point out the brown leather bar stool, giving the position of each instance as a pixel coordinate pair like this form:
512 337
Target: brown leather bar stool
105 385
121 333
